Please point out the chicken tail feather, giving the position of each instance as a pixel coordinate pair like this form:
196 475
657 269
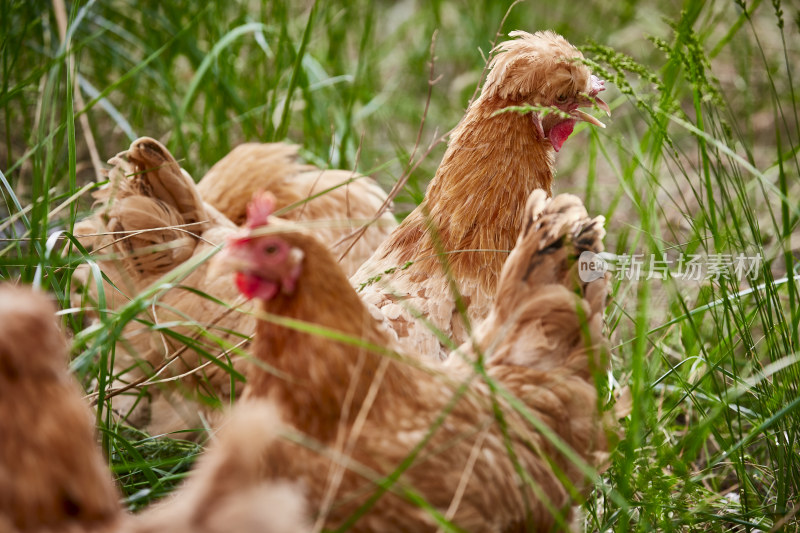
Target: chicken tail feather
546 305
158 175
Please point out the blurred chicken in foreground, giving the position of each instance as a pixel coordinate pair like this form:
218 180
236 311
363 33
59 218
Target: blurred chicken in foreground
502 149
52 474
379 433
225 491
153 221
53 478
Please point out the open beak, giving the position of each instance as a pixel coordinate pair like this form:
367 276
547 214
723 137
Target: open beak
586 117
592 100
602 105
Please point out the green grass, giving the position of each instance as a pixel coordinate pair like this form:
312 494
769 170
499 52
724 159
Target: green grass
700 158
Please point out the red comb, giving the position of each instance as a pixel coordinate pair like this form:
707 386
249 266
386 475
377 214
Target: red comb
259 209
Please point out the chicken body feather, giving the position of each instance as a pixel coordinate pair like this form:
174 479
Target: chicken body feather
225 492
334 202
53 477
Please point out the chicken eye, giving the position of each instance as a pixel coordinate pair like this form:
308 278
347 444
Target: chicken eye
561 98
271 249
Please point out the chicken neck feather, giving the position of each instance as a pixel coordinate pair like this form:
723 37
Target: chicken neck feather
316 394
474 203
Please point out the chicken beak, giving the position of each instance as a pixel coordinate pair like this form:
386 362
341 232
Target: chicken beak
602 105
586 117
590 101
227 262
598 86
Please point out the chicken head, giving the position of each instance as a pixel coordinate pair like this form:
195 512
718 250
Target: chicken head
544 71
265 264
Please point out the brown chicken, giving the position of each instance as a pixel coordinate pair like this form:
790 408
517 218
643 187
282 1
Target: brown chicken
385 442
474 203
153 221
53 477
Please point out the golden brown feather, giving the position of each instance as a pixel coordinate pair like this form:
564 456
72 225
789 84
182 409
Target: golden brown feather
53 477
230 183
335 202
152 220
225 491
550 322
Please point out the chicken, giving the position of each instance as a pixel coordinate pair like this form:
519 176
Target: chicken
225 493
474 204
388 442
154 220
53 477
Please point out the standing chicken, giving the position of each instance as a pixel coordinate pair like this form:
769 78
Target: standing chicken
389 443
473 206
153 220
52 474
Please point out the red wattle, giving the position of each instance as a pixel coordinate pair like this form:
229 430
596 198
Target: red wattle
246 284
560 132
255 287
